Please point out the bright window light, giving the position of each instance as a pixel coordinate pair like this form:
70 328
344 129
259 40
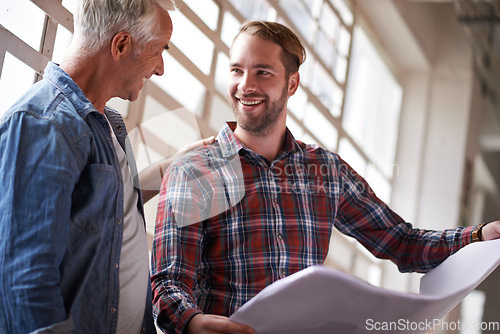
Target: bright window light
373 102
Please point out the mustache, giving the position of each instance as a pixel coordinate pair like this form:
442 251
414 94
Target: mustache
247 96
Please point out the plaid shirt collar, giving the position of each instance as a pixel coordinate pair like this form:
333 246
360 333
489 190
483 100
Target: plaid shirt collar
230 145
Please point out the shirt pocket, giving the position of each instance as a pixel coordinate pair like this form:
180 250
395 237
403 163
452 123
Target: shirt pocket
94 197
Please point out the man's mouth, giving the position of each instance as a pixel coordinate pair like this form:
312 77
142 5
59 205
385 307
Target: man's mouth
250 102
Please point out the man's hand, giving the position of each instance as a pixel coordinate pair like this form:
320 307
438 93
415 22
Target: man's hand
491 231
151 177
215 324
192 146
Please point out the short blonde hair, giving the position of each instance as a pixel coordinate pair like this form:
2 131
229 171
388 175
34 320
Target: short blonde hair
293 54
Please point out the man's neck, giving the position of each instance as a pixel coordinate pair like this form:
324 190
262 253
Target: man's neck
85 72
268 146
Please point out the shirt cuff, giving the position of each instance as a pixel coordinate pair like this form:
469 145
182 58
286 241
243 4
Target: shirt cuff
467 235
181 327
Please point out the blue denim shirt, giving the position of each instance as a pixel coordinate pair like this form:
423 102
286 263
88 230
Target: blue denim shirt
61 212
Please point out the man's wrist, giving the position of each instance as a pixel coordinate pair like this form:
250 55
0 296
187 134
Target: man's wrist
477 233
187 319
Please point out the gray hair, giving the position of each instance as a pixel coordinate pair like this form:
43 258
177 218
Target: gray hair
97 21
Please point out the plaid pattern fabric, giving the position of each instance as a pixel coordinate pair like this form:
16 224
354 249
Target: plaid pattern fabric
277 225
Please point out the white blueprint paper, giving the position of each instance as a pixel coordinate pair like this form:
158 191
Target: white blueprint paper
319 300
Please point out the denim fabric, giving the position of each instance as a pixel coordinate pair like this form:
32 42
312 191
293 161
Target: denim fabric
61 212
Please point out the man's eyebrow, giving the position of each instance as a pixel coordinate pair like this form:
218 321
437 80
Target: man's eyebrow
266 66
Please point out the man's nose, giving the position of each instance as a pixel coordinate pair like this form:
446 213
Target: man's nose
159 69
247 84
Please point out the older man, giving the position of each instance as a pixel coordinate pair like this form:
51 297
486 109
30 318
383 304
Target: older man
73 251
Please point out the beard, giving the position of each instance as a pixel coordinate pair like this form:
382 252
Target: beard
263 124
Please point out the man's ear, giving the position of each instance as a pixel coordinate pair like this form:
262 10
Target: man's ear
293 83
121 45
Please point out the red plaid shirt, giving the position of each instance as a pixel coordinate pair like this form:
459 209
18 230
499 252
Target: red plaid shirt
240 233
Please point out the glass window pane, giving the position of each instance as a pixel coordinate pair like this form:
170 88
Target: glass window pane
305 69
325 49
306 138
192 42
337 98
163 133
324 87
350 155
297 103
221 73
378 183
314 6
62 42
14 15
340 69
343 42
321 127
230 27
207 11
294 128
16 78
181 85
329 22
344 11
373 102
220 113
254 9
300 17
70 5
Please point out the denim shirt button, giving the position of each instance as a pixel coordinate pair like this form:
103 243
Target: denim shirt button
119 221
116 266
113 310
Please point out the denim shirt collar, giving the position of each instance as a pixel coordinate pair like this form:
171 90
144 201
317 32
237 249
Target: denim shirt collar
58 77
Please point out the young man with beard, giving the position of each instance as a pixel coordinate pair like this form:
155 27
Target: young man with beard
258 205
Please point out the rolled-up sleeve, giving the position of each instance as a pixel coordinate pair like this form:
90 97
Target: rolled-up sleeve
362 215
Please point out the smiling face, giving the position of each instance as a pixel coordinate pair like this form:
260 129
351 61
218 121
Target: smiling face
258 85
145 62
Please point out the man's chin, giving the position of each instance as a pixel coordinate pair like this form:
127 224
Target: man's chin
255 128
133 96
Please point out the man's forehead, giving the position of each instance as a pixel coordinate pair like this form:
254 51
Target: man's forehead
246 44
